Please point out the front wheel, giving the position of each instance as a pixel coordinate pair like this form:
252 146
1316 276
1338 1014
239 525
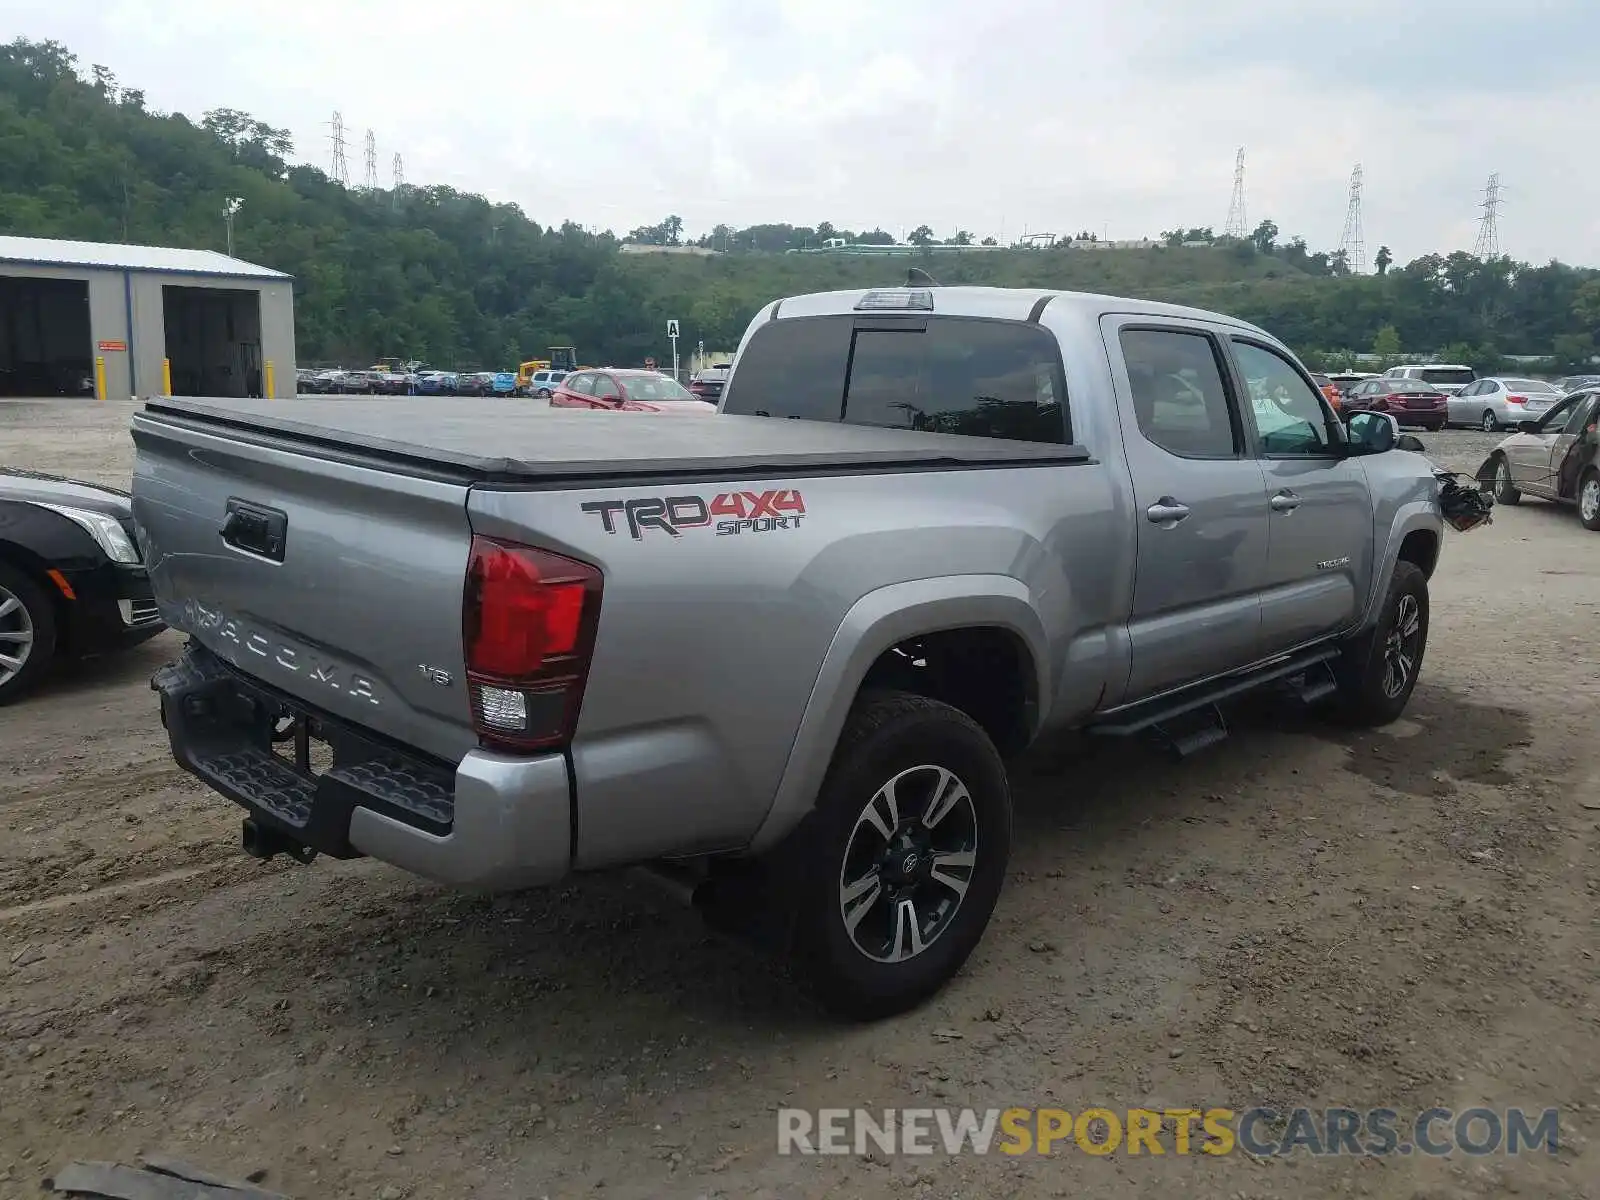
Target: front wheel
1489 424
1589 500
904 858
543 393
1505 491
1378 670
27 633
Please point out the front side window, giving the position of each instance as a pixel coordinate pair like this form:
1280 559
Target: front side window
1289 414
605 388
1175 380
656 388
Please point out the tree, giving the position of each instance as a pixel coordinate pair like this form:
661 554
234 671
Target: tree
1264 236
962 238
1382 259
922 235
1339 263
1386 346
988 241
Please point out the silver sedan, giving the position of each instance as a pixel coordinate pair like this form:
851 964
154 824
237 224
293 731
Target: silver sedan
1552 457
1500 402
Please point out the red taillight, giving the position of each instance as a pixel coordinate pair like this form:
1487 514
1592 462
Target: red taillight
528 623
1516 399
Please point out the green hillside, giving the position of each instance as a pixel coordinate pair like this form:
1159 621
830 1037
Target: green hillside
450 277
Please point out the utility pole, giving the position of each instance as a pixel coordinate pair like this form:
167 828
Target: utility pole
1352 241
1488 244
1238 224
230 207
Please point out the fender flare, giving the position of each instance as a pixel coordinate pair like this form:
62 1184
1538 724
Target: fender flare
1411 517
877 621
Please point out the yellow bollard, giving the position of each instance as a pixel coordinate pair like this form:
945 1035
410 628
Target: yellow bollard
166 377
267 370
100 377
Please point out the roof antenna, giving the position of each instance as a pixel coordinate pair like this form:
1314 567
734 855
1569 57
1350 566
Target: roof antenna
917 277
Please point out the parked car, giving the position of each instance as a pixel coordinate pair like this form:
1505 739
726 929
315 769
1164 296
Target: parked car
504 383
1449 378
1409 401
390 383
1500 403
437 383
72 581
1573 383
1329 390
1553 457
475 383
544 383
707 385
627 391
1345 380
806 731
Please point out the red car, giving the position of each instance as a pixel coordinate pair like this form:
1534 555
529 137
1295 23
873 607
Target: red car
1408 401
627 391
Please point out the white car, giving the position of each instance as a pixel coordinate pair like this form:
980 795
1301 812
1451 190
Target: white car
1500 402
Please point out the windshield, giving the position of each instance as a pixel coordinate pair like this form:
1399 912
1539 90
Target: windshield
654 387
1529 385
1461 375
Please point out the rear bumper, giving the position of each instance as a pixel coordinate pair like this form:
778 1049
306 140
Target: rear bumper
491 822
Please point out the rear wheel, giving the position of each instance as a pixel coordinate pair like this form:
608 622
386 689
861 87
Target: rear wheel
1489 424
1504 491
904 858
1589 500
1378 670
27 633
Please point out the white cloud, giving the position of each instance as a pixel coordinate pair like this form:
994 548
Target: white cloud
1010 113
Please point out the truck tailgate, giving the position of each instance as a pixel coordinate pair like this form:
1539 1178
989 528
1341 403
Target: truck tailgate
338 584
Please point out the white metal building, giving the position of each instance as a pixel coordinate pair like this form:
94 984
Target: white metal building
87 318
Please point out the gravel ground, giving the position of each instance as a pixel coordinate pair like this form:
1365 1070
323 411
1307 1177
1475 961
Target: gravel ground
1302 915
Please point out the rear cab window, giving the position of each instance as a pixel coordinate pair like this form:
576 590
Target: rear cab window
939 374
1448 375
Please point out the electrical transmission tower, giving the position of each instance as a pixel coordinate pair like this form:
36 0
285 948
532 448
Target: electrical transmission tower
1352 243
372 162
399 169
1238 225
341 168
1488 244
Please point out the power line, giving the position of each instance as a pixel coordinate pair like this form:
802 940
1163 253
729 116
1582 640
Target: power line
1238 225
372 162
341 168
1352 243
1488 244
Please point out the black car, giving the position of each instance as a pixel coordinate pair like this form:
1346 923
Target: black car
72 580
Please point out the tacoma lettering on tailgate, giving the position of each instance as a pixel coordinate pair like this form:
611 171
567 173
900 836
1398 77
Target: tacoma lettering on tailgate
731 512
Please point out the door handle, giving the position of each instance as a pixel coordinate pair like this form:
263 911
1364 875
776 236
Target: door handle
1166 511
1285 501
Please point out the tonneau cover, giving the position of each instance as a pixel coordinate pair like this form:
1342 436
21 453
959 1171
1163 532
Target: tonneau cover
512 441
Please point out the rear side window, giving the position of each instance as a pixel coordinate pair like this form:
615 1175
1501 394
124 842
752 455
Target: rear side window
1175 380
1000 379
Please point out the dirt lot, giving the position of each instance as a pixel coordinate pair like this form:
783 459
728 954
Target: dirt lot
1402 919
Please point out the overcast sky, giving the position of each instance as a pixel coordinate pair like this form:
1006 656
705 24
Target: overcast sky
998 116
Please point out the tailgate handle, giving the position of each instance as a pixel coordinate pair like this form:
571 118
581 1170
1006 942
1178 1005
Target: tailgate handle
255 530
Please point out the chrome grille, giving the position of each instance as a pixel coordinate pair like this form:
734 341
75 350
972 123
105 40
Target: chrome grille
139 612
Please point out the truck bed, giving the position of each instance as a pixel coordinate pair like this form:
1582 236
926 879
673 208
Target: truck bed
501 441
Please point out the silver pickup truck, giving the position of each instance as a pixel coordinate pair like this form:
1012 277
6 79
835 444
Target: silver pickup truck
781 651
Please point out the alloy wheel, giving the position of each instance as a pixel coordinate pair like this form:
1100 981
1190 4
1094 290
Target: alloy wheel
908 863
16 636
1489 424
1589 500
1401 648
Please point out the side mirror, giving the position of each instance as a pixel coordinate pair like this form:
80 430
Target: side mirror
1410 441
1372 432
1527 427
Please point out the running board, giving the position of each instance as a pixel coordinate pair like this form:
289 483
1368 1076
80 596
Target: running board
1164 710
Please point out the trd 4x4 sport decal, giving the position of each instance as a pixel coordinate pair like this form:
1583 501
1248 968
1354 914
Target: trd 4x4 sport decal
731 512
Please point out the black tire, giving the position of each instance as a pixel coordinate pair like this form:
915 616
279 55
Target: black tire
40 618
543 394
899 736
1503 492
1589 508
1366 695
1489 424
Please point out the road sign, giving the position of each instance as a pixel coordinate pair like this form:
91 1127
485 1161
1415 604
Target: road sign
672 329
